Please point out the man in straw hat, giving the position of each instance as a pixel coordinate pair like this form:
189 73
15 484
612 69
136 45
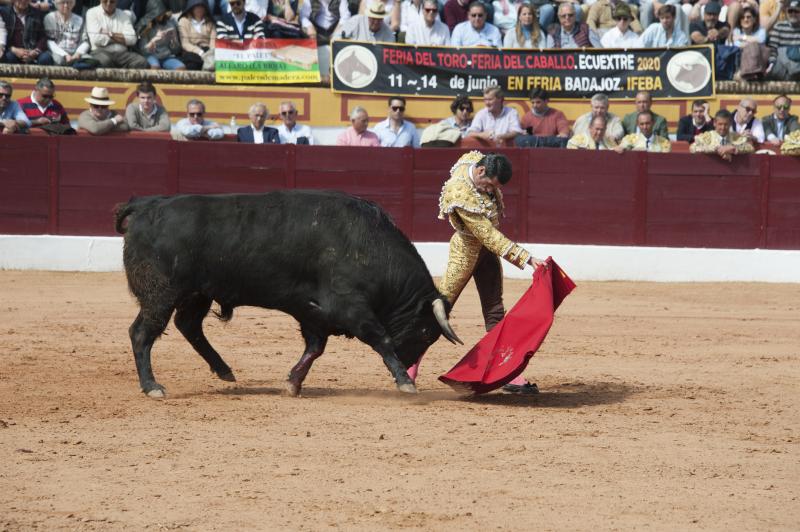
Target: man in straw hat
100 119
369 27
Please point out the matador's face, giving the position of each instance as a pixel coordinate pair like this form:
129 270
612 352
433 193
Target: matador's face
484 183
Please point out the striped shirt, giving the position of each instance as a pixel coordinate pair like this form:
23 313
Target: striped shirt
54 110
782 34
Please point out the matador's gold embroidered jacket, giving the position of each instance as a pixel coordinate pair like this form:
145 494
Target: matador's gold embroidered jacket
791 144
475 216
709 141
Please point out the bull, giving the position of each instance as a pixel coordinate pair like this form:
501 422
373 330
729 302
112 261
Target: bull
334 262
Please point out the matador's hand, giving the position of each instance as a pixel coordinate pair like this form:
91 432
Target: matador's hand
533 261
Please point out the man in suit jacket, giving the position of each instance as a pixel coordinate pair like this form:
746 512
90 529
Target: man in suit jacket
780 123
256 133
696 123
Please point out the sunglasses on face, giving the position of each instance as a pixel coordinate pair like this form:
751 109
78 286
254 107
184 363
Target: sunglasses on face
476 15
784 107
5 95
396 108
288 113
749 109
93 106
195 115
468 109
431 10
46 96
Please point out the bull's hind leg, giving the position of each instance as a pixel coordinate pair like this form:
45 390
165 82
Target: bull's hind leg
315 346
189 321
144 331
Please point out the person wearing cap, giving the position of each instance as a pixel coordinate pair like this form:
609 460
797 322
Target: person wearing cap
783 42
645 138
368 27
621 35
476 31
601 16
710 30
644 102
110 34
721 140
99 119
665 34
195 126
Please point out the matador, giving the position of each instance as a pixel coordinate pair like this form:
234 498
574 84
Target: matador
472 202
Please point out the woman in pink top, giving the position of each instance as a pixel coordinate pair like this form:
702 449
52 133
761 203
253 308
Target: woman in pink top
358 134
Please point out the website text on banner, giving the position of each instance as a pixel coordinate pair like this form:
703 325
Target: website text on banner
437 71
267 61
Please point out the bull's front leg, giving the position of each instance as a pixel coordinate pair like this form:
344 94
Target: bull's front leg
385 349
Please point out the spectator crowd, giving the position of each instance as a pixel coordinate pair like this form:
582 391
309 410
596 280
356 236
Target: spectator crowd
727 133
752 40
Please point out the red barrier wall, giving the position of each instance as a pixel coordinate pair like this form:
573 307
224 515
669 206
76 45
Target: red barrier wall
69 186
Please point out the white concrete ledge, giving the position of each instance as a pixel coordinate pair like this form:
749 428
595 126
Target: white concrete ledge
589 263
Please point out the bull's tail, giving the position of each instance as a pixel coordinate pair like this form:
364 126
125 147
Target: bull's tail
122 211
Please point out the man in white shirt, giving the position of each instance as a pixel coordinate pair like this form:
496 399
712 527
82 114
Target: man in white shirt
428 31
195 126
621 35
475 31
745 122
110 34
395 132
495 125
290 132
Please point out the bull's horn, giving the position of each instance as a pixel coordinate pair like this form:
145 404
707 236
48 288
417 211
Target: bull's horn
441 317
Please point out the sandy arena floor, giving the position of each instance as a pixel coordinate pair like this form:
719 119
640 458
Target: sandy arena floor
663 407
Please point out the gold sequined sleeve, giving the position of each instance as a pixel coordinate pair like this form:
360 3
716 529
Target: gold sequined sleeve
703 143
495 241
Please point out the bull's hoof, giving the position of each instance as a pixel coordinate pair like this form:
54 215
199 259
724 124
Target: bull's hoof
157 393
293 389
227 377
407 388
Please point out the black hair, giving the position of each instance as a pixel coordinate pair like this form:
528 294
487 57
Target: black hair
540 93
399 98
723 113
461 99
497 165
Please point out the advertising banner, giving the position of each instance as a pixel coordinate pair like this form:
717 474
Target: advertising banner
270 61
388 69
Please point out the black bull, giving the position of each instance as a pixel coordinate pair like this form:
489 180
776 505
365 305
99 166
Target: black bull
334 262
